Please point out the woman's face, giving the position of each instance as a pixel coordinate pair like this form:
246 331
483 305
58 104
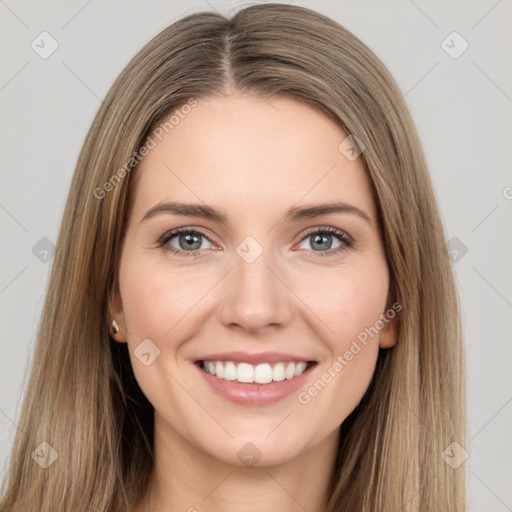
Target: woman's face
261 287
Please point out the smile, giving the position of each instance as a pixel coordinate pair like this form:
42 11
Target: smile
255 379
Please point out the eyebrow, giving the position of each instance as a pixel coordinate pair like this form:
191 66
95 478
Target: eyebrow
292 214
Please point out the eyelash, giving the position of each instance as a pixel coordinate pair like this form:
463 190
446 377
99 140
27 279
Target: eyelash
347 242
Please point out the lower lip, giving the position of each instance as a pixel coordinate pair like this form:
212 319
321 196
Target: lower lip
255 394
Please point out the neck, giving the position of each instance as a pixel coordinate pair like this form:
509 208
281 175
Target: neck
188 479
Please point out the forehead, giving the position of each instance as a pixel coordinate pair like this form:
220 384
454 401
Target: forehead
251 154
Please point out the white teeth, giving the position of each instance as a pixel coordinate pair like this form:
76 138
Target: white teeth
260 373
245 373
263 374
299 368
289 373
278 372
230 372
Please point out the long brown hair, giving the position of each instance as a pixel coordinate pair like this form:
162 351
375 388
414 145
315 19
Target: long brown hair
82 398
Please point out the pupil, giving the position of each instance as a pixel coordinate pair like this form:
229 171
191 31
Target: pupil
317 239
191 240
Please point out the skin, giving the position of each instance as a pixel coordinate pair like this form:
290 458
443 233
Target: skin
252 159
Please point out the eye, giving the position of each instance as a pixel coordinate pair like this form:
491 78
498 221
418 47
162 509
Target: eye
189 242
321 240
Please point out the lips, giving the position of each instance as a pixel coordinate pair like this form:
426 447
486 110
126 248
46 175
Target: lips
254 379
254 358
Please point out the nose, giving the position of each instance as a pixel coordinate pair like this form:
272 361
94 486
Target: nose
255 296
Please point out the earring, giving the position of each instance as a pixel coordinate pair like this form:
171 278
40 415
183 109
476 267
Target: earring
115 327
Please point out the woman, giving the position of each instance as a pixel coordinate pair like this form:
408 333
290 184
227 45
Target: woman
307 355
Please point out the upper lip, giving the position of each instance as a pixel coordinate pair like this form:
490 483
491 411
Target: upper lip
254 358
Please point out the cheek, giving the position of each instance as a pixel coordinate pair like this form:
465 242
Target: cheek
349 301
160 299
158 305
345 300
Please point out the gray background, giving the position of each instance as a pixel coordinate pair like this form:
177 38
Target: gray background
462 108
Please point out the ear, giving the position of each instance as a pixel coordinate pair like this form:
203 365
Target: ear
116 313
389 333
